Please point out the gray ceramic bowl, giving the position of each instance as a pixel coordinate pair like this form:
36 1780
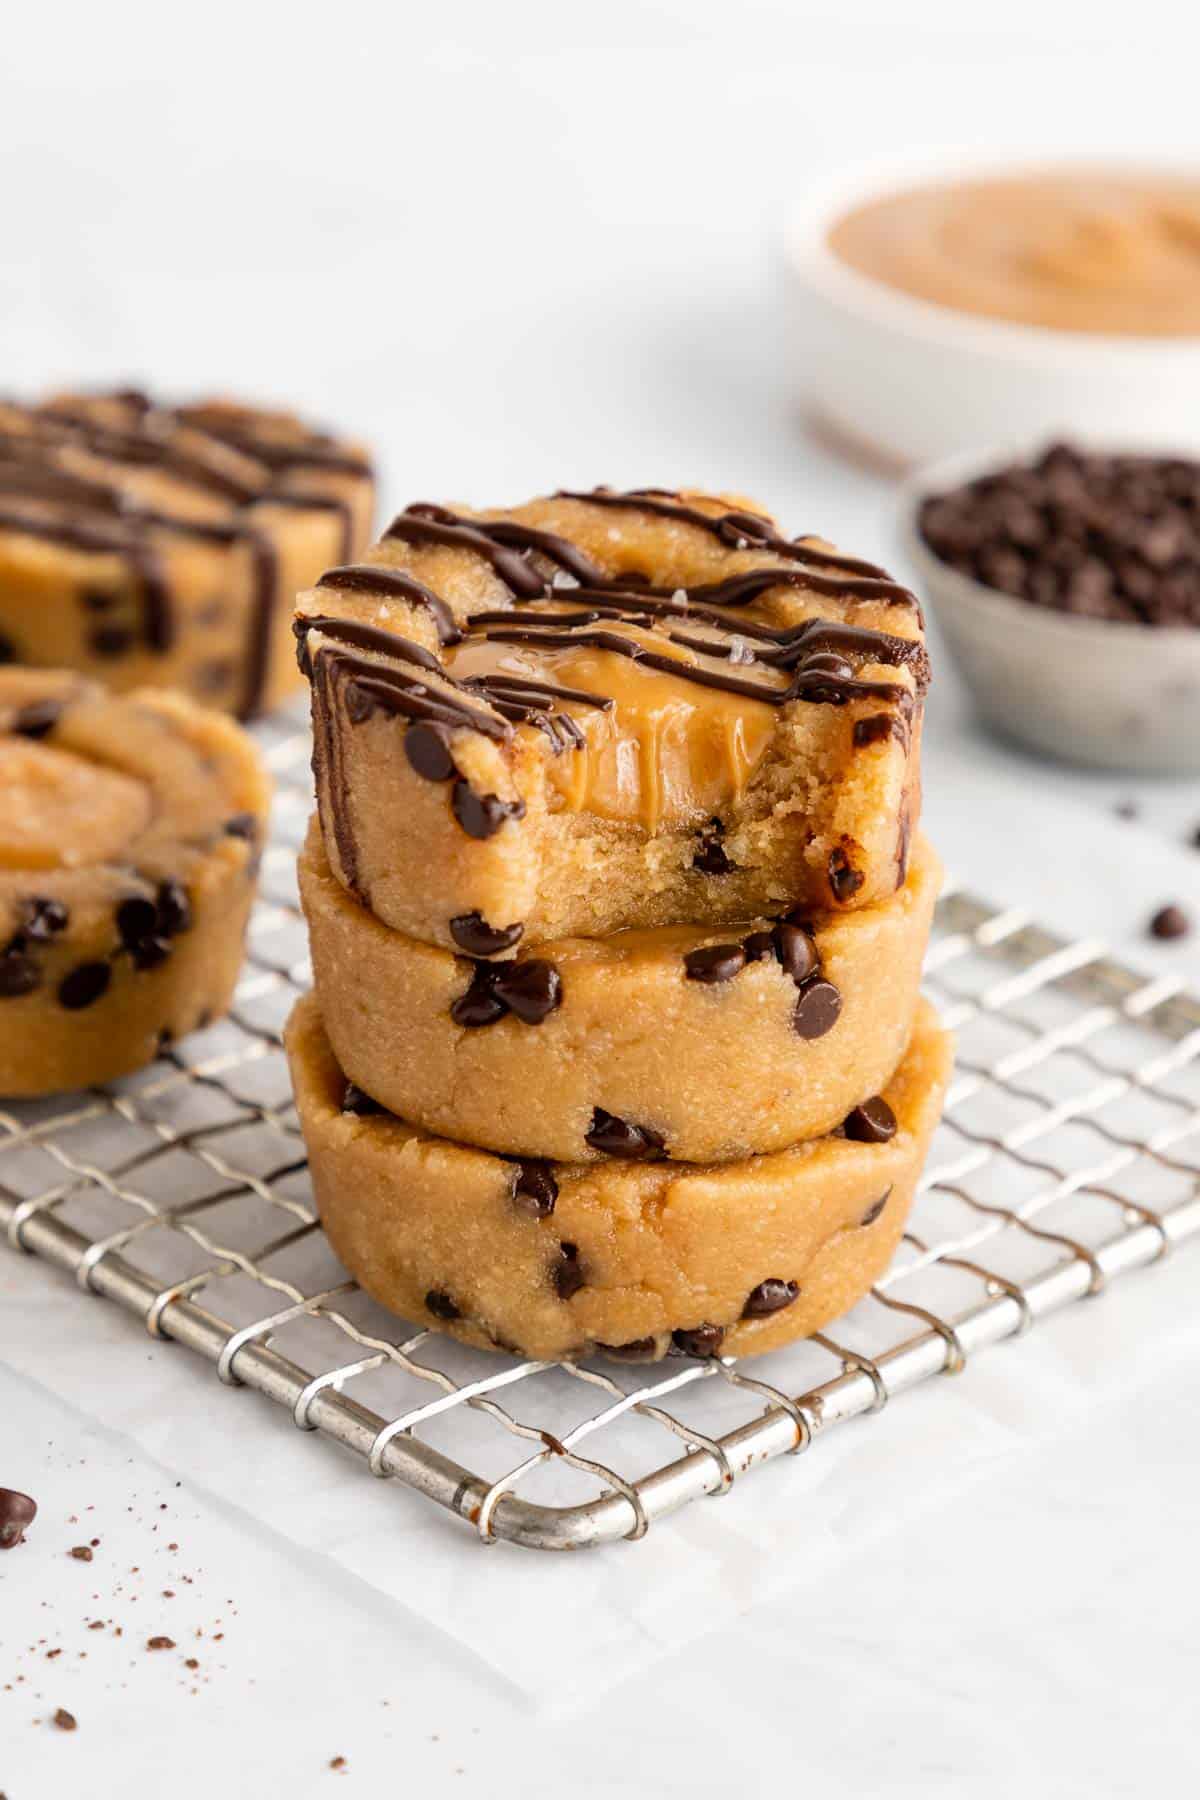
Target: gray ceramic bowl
1090 691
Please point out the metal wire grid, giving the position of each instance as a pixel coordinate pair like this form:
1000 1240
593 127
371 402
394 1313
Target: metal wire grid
1068 1156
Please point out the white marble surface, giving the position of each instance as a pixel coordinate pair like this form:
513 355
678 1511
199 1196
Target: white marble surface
522 246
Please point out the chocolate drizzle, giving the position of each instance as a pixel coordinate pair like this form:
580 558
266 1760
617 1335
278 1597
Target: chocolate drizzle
394 584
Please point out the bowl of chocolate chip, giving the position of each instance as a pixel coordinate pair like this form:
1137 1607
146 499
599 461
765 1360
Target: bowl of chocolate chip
1066 581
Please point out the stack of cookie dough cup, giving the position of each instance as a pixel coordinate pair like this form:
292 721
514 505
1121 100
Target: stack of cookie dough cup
574 1082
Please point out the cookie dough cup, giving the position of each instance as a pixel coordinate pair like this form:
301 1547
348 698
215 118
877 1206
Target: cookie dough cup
129 846
555 1260
698 1043
600 711
144 544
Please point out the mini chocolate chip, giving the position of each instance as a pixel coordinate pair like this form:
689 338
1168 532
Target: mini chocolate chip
38 718
242 825
8 650
567 1274
874 729
535 1189
873 1122
97 600
358 703
479 1005
16 1512
149 953
711 858
354 1100
796 950
472 933
875 1211
174 908
532 990
638 1350
84 985
844 879
19 975
441 1305
769 1297
700 1340
136 919
43 918
427 748
110 640
760 946
615 1137
482 815
716 962
1170 922
817 1008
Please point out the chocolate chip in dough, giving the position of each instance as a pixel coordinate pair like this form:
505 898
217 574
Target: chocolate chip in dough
482 815
638 1350
427 748
844 879
875 1210
795 949
136 919
700 1340
149 953
769 1297
616 1137
817 1008
568 1275
355 1101
110 640
441 1305
479 1006
43 918
760 947
242 825
19 975
535 1189
715 963
37 719
472 933
532 990
84 985
873 1122
711 857
1170 922
8 650
17 1513
174 909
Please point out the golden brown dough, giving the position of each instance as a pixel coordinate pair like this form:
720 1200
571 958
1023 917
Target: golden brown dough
556 1260
601 711
150 545
129 843
742 1055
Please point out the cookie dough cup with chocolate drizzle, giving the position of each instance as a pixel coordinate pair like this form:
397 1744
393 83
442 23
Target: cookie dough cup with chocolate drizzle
601 711
145 544
700 1043
129 844
556 1260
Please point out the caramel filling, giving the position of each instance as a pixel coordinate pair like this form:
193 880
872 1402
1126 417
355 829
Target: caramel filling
666 750
59 812
1072 250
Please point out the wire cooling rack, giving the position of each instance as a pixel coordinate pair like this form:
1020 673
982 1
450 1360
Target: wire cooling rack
1069 1155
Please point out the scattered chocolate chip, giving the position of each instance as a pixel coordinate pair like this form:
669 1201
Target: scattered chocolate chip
711 858
472 933
19 974
1170 922
844 879
873 1122
715 963
532 990
875 1211
482 815
160 1643
43 918
567 1274
84 985
760 947
110 640
441 1305
214 677
174 909
700 1340
355 1101
82 1553
242 825
636 1351
8 650
795 949
769 1297
17 1512
874 729
615 1137
535 1189
136 919
97 600
149 953
817 1008
479 1006
427 748
64 1720
37 719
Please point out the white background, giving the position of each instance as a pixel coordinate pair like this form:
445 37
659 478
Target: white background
518 246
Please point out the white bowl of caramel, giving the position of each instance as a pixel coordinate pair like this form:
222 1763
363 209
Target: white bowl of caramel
956 303
1065 578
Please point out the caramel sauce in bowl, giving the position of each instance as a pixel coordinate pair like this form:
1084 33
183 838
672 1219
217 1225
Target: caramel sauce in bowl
953 302
1090 691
